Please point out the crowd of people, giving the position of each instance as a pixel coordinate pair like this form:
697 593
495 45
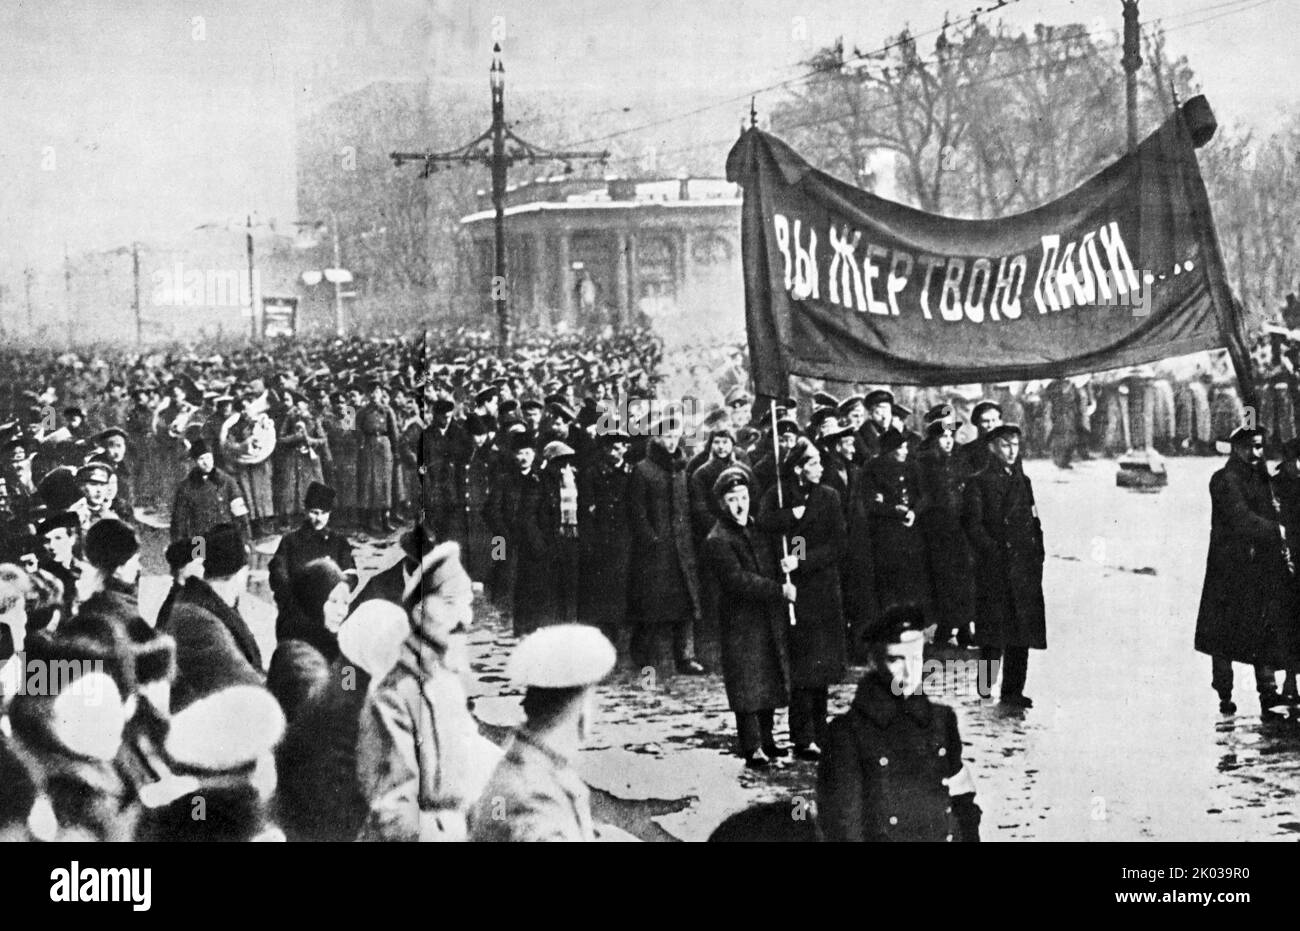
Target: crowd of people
621 506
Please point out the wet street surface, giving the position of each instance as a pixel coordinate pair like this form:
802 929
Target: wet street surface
1124 742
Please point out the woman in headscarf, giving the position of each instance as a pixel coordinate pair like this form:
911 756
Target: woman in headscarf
421 761
309 641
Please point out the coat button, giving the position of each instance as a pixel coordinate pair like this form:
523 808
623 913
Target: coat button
943 751
884 761
893 819
948 810
948 838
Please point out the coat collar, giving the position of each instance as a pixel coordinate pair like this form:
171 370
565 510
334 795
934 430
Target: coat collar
877 701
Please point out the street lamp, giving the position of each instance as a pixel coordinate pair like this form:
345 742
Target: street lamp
336 275
490 149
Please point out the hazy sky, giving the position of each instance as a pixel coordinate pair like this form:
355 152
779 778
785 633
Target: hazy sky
143 118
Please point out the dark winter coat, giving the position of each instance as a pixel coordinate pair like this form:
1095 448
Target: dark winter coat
841 476
752 615
214 647
386 585
471 527
1246 612
890 488
1001 523
949 560
604 544
298 548
318 795
511 515
665 586
203 502
442 456
881 776
818 652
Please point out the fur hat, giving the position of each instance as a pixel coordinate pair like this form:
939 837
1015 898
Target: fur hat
110 544
224 552
59 489
319 497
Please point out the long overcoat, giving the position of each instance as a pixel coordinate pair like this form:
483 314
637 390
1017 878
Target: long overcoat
664 582
604 545
1246 603
818 653
1001 522
752 617
376 440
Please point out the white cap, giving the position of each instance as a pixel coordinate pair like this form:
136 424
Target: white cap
227 729
564 656
372 636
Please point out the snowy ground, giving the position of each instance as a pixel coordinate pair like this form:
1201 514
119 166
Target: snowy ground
1124 742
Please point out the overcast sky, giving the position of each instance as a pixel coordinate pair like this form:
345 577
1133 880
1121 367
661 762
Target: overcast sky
143 118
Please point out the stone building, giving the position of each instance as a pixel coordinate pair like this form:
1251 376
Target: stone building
588 253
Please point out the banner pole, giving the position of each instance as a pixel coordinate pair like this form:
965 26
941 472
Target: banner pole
780 503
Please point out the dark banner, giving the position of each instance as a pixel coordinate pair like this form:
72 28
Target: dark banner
844 285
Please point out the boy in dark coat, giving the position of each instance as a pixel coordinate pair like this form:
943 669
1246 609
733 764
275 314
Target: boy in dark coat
753 617
892 770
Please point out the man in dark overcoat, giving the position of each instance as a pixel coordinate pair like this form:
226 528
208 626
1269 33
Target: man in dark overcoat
605 541
1001 521
308 542
514 499
665 588
1247 607
753 618
892 770
444 449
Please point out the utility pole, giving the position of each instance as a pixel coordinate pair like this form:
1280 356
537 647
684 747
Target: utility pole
338 285
67 293
1132 61
135 281
252 286
27 281
498 148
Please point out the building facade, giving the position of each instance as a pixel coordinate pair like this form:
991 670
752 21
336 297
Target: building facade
587 253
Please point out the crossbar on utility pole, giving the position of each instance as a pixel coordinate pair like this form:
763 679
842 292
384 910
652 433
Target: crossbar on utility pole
498 148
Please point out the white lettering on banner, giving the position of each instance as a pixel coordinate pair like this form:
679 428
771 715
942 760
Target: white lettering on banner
806 283
1074 274
782 226
870 272
844 274
950 305
931 262
1117 258
1007 275
898 280
1047 270
981 271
